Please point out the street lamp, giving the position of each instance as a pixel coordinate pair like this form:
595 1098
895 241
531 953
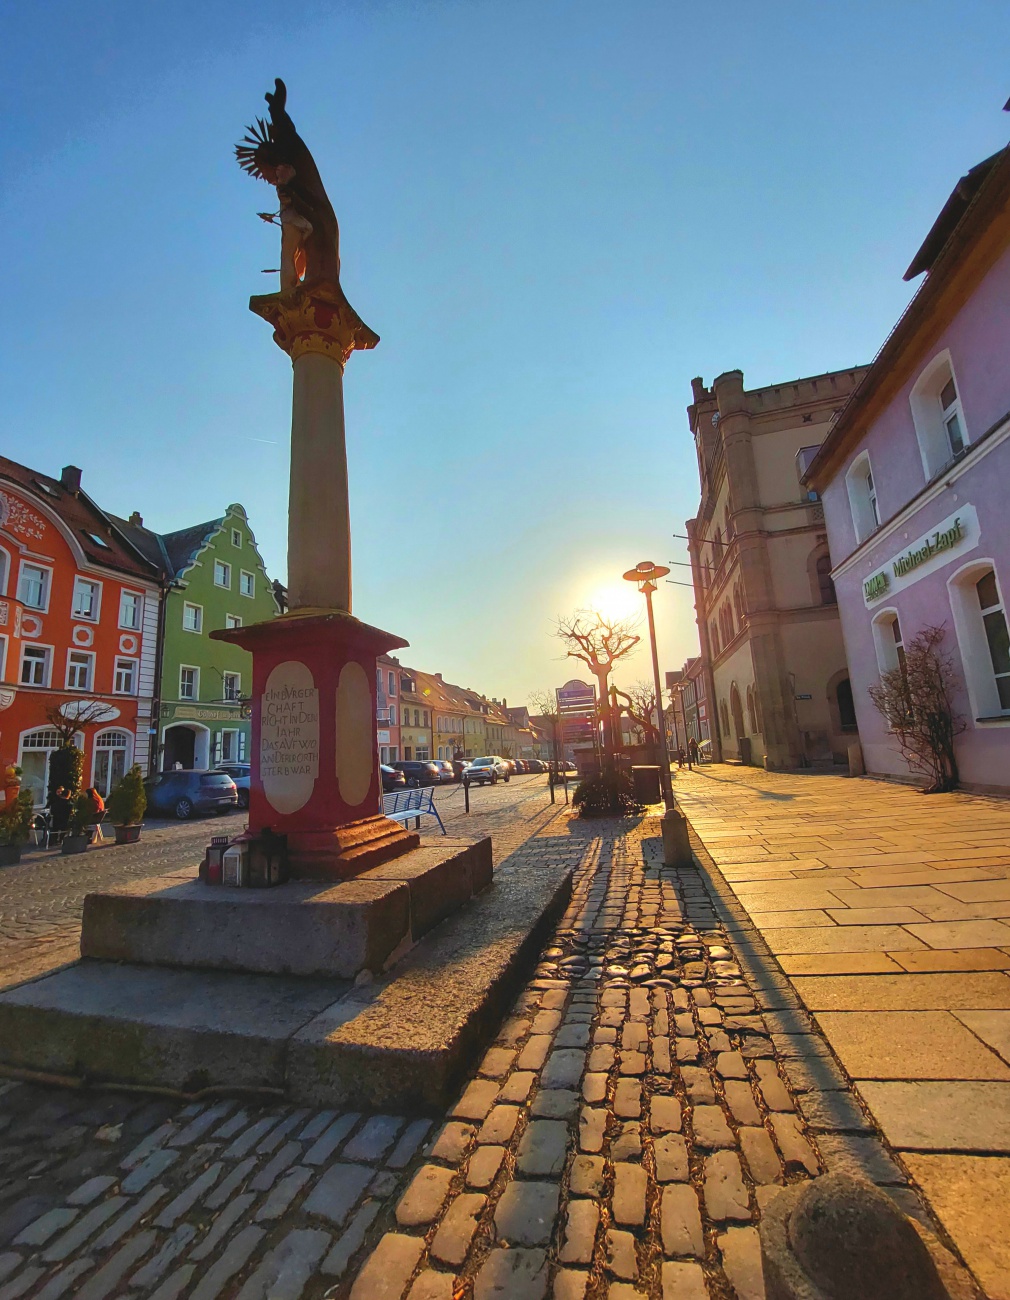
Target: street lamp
676 846
646 575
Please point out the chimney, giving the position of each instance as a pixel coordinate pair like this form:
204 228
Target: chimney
136 519
70 478
504 702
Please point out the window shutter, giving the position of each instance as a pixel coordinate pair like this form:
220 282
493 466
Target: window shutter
241 746
217 748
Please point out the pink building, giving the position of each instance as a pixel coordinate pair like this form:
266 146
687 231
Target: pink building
914 478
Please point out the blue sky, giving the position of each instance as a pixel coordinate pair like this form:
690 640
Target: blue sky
554 214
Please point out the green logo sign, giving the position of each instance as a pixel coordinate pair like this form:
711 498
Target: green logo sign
876 586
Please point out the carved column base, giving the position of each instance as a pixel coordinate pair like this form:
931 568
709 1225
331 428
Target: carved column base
348 850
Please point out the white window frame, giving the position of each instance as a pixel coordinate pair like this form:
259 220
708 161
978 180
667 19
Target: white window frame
232 621
236 733
134 668
73 662
224 568
238 685
3 656
392 714
47 585
242 575
5 570
189 668
863 502
930 419
187 605
80 581
47 671
882 627
236 538
139 608
972 642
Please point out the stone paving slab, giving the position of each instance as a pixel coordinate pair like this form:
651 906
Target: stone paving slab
887 991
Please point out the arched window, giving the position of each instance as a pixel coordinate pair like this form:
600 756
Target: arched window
5 568
713 636
862 492
846 706
751 715
36 748
737 711
980 621
825 584
887 639
112 752
738 603
937 415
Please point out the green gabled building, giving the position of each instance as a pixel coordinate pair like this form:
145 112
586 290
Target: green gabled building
214 578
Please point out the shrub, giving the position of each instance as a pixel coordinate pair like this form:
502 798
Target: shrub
915 700
128 801
66 768
609 794
16 819
82 815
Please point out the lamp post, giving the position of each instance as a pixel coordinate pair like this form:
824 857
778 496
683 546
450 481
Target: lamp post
676 848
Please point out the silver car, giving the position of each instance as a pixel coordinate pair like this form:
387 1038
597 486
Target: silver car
487 771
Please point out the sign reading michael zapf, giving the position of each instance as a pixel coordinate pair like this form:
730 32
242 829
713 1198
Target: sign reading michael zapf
957 533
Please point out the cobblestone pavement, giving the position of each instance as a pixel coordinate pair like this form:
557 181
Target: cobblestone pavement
618 1139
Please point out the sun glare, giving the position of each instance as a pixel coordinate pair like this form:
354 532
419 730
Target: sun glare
615 600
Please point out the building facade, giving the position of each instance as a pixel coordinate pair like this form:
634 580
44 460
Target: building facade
415 716
215 578
387 708
914 481
768 621
78 630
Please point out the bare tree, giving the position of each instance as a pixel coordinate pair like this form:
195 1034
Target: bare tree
545 704
640 704
599 642
73 715
915 699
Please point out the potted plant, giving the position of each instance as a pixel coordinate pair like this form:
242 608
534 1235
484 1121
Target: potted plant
82 815
126 806
15 827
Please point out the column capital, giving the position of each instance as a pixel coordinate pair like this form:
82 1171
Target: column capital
319 320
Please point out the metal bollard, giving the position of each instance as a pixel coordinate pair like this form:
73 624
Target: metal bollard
550 783
466 794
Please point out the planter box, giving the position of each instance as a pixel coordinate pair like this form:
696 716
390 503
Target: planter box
127 834
10 855
74 843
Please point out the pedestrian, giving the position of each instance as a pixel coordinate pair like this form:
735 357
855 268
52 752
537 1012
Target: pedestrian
692 746
60 805
96 804
680 755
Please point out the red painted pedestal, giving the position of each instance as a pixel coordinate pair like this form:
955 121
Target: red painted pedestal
315 761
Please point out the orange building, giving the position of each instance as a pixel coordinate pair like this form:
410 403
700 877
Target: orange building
78 630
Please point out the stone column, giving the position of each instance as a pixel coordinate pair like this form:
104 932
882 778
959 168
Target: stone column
319 526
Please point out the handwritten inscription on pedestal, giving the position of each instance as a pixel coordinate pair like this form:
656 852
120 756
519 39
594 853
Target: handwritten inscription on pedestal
289 736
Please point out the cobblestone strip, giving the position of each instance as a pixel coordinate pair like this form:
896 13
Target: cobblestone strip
625 1129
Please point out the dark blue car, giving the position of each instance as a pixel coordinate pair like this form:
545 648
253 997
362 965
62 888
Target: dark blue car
181 794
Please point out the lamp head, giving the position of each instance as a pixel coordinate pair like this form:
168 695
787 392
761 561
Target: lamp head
646 574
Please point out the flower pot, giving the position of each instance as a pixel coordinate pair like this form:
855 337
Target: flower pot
10 855
127 834
74 843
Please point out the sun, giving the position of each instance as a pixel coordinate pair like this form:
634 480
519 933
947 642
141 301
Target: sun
615 599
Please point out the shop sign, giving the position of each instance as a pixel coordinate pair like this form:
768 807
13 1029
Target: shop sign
193 713
958 532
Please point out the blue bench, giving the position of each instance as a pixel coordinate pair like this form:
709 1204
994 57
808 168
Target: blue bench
402 805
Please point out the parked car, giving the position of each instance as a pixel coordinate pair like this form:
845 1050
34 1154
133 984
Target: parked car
446 769
239 773
512 766
182 793
522 767
392 779
418 771
536 765
488 770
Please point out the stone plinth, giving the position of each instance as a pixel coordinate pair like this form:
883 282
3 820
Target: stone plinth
315 771
301 928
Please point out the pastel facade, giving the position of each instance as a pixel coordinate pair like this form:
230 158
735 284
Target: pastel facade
215 578
387 708
78 628
777 684
914 481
